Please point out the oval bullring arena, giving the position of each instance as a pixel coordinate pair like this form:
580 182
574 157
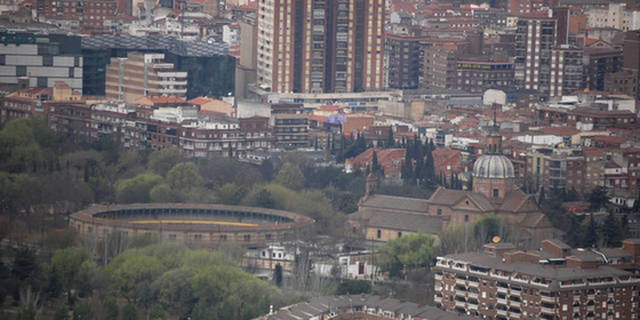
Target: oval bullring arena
191 223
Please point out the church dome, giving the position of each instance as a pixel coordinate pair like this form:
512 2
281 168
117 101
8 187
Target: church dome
493 166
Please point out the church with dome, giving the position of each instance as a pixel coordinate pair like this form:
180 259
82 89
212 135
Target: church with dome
494 191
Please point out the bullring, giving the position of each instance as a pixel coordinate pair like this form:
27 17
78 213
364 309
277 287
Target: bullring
207 224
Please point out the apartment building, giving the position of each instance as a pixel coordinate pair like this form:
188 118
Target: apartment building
403 56
39 60
133 127
316 46
555 282
90 14
599 62
440 66
526 6
535 39
474 75
556 170
143 74
566 71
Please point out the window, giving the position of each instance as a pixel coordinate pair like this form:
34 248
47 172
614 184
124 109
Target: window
399 234
466 218
439 212
496 193
2 59
267 236
43 82
197 237
172 237
47 61
379 233
223 237
21 71
247 237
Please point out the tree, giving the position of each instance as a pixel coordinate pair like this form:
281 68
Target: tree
230 194
110 308
290 176
136 189
66 264
184 177
162 193
375 166
591 235
130 272
82 311
572 195
265 200
129 312
354 287
277 275
162 161
488 227
598 198
410 251
25 265
612 232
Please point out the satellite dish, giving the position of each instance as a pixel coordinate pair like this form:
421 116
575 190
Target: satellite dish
495 239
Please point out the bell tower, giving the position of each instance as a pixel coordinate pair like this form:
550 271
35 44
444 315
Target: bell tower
494 139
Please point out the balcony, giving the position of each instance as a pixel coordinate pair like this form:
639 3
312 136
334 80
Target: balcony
438 277
502 301
547 299
502 312
472 295
437 299
514 315
502 290
484 273
547 310
472 306
460 293
514 304
461 282
460 304
459 268
474 284
499 276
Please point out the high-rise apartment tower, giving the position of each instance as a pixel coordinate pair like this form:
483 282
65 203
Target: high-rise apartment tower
316 46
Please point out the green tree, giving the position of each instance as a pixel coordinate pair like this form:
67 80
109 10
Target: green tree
83 311
184 176
130 272
375 166
162 161
290 176
409 251
162 193
598 198
265 200
230 193
612 231
354 287
136 189
62 313
129 312
489 226
110 307
67 264
25 265
591 234
277 275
